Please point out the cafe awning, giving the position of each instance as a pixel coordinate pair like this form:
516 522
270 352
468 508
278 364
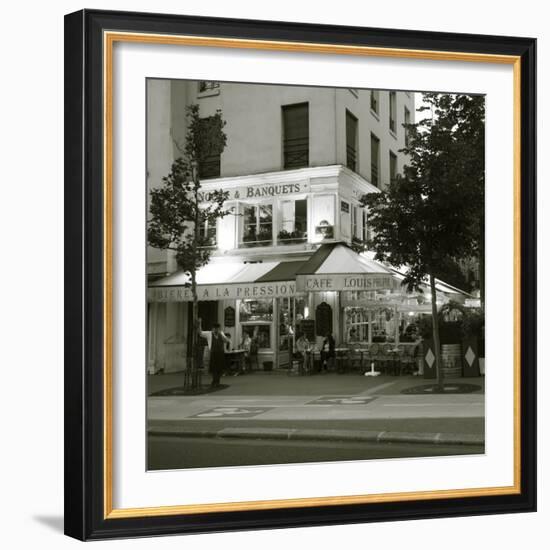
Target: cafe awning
337 267
229 280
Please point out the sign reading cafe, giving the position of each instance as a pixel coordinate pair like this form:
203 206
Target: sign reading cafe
362 281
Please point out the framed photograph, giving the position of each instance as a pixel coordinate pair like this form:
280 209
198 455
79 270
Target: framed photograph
300 274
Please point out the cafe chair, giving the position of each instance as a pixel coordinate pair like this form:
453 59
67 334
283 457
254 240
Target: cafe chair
372 354
355 359
407 360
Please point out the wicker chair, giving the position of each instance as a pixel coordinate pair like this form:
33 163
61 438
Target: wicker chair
407 359
355 359
388 358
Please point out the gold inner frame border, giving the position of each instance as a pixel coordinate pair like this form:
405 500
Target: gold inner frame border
109 39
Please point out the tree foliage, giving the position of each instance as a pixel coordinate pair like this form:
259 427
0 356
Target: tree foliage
433 214
177 207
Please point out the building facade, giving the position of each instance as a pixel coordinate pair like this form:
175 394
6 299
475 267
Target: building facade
297 161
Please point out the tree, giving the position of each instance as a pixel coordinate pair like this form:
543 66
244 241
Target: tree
433 213
179 215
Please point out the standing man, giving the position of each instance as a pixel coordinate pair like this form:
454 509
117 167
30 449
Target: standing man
217 354
328 352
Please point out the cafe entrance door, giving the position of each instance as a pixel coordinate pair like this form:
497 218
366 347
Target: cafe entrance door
290 312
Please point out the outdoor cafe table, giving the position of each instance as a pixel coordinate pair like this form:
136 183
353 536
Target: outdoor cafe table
341 356
235 358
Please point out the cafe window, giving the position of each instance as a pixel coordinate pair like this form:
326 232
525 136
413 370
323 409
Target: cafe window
261 334
208 86
407 118
296 135
351 141
356 222
374 100
393 166
256 317
210 163
256 310
374 159
293 228
393 112
257 225
323 216
357 325
383 325
207 233
366 228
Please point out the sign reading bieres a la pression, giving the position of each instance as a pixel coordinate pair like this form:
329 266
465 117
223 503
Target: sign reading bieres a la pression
259 191
222 292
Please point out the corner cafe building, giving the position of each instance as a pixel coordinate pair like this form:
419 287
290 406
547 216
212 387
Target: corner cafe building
283 264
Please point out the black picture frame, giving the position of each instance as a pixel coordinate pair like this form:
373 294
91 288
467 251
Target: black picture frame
85 511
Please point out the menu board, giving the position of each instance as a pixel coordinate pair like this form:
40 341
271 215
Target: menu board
307 326
229 317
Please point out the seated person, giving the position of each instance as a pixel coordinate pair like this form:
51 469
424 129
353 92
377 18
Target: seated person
302 347
302 344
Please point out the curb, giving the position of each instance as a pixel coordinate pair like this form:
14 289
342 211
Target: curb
290 434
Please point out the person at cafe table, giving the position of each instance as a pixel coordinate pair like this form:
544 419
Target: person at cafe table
303 346
327 351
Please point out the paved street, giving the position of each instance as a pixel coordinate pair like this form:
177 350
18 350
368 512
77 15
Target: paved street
176 453
278 397
267 418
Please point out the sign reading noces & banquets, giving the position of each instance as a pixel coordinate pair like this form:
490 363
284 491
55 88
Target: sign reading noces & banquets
259 191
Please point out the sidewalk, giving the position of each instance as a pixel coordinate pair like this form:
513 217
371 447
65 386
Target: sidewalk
332 407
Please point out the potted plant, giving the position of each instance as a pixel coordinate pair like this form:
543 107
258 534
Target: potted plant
284 237
265 238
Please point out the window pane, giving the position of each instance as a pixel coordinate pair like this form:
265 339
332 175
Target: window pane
375 159
323 216
407 121
293 227
205 85
296 135
300 223
374 100
266 213
393 101
351 141
393 166
265 234
261 334
287 216
256 310
250 224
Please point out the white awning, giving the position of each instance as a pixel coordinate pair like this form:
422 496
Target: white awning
336 267
228 280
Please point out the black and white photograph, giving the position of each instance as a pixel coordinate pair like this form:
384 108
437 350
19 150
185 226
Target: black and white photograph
315 274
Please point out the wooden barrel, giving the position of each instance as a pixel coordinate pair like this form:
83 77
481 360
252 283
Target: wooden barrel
451 359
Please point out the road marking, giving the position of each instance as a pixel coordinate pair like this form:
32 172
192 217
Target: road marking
376 388
428 404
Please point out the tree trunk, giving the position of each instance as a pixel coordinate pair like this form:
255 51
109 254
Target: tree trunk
194 383
435 332
195 375
482 270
